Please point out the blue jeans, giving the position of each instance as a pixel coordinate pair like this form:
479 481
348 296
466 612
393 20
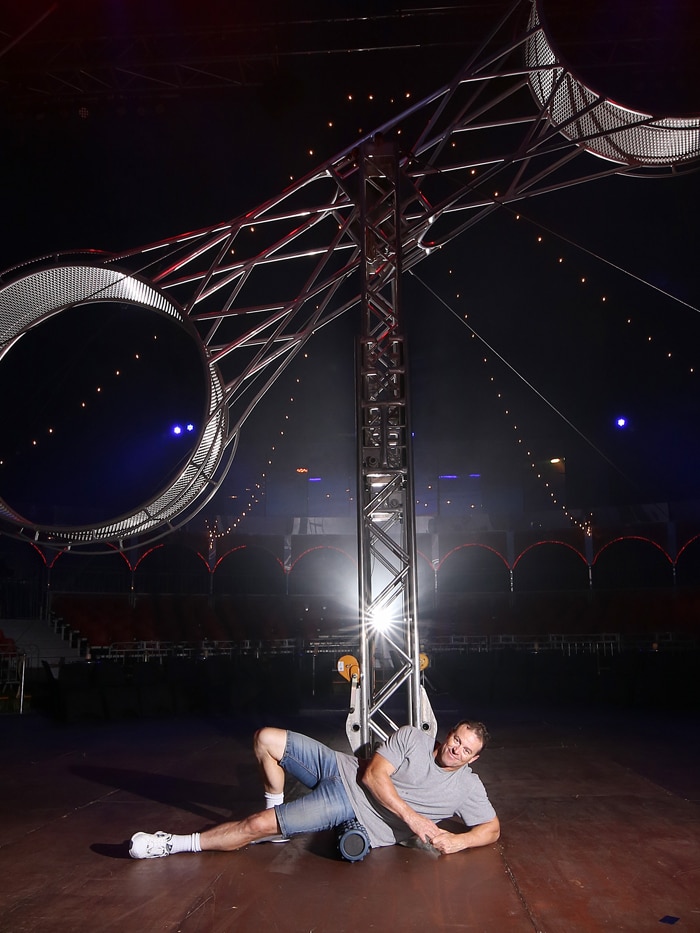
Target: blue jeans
315 766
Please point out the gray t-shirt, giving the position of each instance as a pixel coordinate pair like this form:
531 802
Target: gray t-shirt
429 789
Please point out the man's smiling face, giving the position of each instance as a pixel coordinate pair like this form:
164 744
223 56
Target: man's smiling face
459 748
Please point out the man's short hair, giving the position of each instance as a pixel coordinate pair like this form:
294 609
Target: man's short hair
478 728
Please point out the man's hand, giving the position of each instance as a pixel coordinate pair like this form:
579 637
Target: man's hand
482 835
424 828
445 843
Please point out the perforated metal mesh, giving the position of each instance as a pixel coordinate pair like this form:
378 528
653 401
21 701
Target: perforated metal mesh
604 128
28 301
41 293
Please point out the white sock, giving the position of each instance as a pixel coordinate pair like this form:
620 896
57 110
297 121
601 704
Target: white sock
273 800
187 843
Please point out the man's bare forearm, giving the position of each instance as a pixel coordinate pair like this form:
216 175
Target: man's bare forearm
381 787
376 778
483 835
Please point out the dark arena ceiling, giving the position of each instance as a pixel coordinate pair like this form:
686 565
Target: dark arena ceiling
55 54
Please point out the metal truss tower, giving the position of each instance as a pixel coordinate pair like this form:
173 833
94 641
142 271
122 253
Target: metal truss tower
515 123
386 528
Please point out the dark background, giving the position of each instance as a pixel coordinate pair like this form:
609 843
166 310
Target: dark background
95 155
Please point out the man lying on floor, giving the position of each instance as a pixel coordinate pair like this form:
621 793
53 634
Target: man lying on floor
404 790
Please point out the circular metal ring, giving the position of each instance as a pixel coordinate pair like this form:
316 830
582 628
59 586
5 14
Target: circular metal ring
604 128
25 303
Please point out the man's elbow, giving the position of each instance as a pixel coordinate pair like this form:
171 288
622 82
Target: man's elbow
368 773
495 831
486 834
366 780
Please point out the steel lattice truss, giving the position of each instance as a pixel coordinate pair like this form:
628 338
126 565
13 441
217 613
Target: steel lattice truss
252 292
512 125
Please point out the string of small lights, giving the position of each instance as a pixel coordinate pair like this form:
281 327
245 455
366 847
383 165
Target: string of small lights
487 359
256 492
85 402
561 257
366 100
638 327
337 129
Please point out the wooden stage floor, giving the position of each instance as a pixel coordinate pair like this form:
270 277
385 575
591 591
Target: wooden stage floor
600 816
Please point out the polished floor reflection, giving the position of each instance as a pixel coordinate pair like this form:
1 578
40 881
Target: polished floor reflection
600 812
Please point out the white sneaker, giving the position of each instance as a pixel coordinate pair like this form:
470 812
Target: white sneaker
150 845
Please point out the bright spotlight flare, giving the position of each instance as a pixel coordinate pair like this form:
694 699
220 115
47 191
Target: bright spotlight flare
383 621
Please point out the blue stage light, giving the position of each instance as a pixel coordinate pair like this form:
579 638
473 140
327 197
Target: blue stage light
177 429
621 422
